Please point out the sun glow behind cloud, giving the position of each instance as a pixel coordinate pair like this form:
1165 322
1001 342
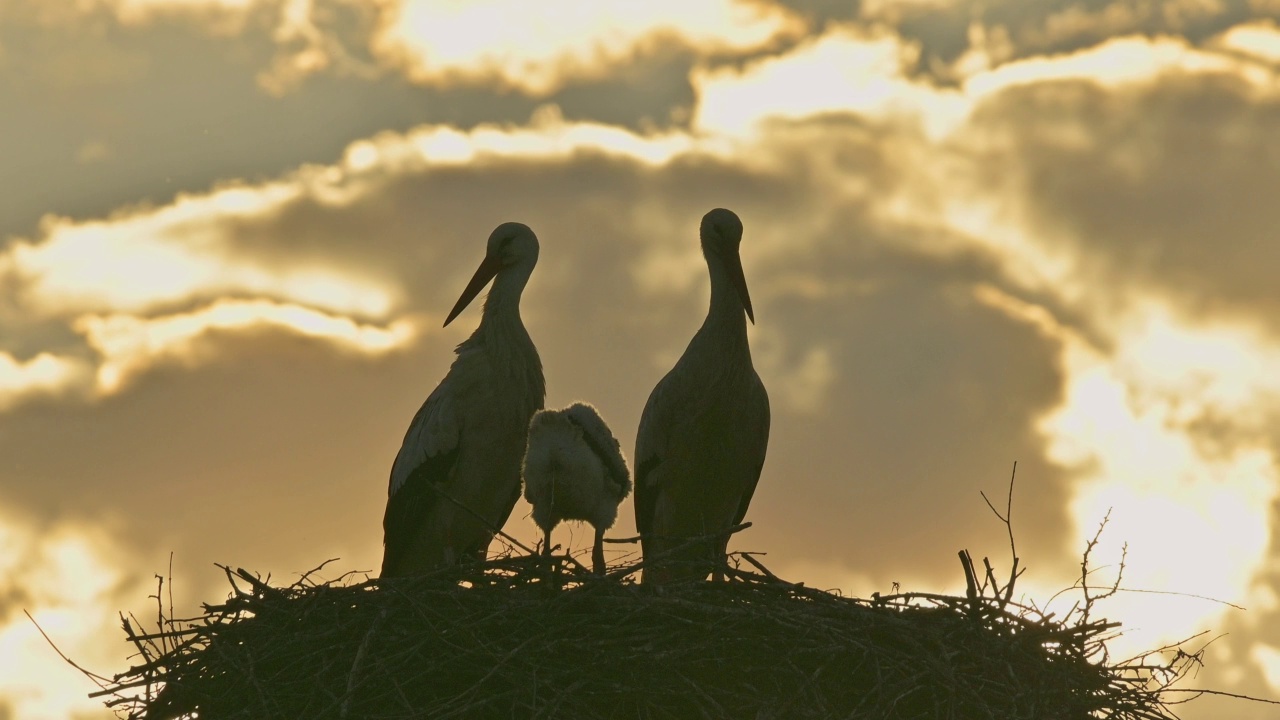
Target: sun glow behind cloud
67 578
1193 513
538 48
534 48
843 71
1133 425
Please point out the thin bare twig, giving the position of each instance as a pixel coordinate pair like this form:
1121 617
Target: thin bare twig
96 678
497 531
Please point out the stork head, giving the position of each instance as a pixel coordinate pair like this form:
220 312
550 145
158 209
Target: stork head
721 233
511 245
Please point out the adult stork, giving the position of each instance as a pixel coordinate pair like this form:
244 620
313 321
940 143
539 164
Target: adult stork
703 434
457 475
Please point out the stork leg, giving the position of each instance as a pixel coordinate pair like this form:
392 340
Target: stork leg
597 554
720 558
546 541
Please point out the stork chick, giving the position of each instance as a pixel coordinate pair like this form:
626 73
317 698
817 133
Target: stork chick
574 470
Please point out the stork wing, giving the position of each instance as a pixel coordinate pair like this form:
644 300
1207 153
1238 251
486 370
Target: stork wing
757 407
664 419
651 445
425 460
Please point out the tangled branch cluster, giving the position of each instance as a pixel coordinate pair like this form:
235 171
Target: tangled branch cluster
536 637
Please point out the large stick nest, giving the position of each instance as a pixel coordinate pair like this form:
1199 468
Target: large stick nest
530 637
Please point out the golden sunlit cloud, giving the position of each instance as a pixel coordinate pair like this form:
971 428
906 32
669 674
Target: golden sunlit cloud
887 9
536 48
44 374
548 137
540 47
844 71
129 344
1118 61
1259 40
1195 516
108 275
146 259
1267 658
68 579
851 71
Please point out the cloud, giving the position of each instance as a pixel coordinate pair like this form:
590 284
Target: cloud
43 374
1096 180
145 285
802 209
536 50
148 259
849 70
540 48
829 348
1268 658
1260 40
128 344
1123 178
845 70
954 38
223 17
69 578
1127 428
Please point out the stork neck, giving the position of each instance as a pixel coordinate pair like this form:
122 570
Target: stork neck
502 332
726 318
502 305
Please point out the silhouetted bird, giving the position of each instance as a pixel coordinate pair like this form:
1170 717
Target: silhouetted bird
574 470
457 475
705 428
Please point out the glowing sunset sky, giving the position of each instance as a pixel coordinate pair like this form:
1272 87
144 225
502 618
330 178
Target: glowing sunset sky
975 232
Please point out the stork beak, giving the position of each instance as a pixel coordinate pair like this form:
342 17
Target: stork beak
488 268
740 284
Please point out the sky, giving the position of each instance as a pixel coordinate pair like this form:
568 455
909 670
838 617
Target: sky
976 232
